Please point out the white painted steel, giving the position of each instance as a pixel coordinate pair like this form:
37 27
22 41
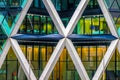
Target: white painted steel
53 60
76 16
23 61
4 52
22 16
106 59
108 17
55 17
76 60
63 42
72 23
118 47
16 48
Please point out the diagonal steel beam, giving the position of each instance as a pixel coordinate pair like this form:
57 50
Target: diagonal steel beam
20 17
118 47
106 59
23 61
6 48
53 60
55 17
108 18
76 60
73 21
76 16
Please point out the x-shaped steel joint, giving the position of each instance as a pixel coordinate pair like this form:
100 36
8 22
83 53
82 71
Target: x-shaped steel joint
69 45
73 21
14 44
65 42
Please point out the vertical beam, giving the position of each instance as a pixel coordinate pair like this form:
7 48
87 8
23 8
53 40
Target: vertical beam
76 60
53 60
20 18
76 16
55 17
106 59
108 18
4 52
23 61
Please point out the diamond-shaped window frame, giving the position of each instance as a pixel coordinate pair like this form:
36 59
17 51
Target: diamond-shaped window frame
14 44
65 42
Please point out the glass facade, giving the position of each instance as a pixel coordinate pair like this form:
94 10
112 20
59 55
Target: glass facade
38 54
43 25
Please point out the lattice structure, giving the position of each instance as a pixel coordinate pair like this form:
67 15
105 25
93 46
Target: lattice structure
65 42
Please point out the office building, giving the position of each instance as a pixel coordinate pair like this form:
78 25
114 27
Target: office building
59 39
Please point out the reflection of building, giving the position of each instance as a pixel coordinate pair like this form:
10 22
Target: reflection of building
38 41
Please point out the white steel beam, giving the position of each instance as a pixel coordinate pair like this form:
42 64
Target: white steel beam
106 59
23 61
6 47
118 47
55 17
53 60
21 17
76 60
108 17
76 16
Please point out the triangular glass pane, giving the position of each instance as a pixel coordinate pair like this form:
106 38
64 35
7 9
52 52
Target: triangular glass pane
92 21
91 56
37 56
10 13
92 5
31 58
2 40
4 25
113 70
3 72
113 4
38 24
2 44
65 9
90 25
103 76
11 69
114 9
64 68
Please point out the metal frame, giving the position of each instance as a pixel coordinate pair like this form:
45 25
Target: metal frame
108 17
106 59
65 32
76 16
53 60
55 17
4 52
118 47
73 21
13 43
76 60
23 61
18 20
65 42
21 16
58 22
